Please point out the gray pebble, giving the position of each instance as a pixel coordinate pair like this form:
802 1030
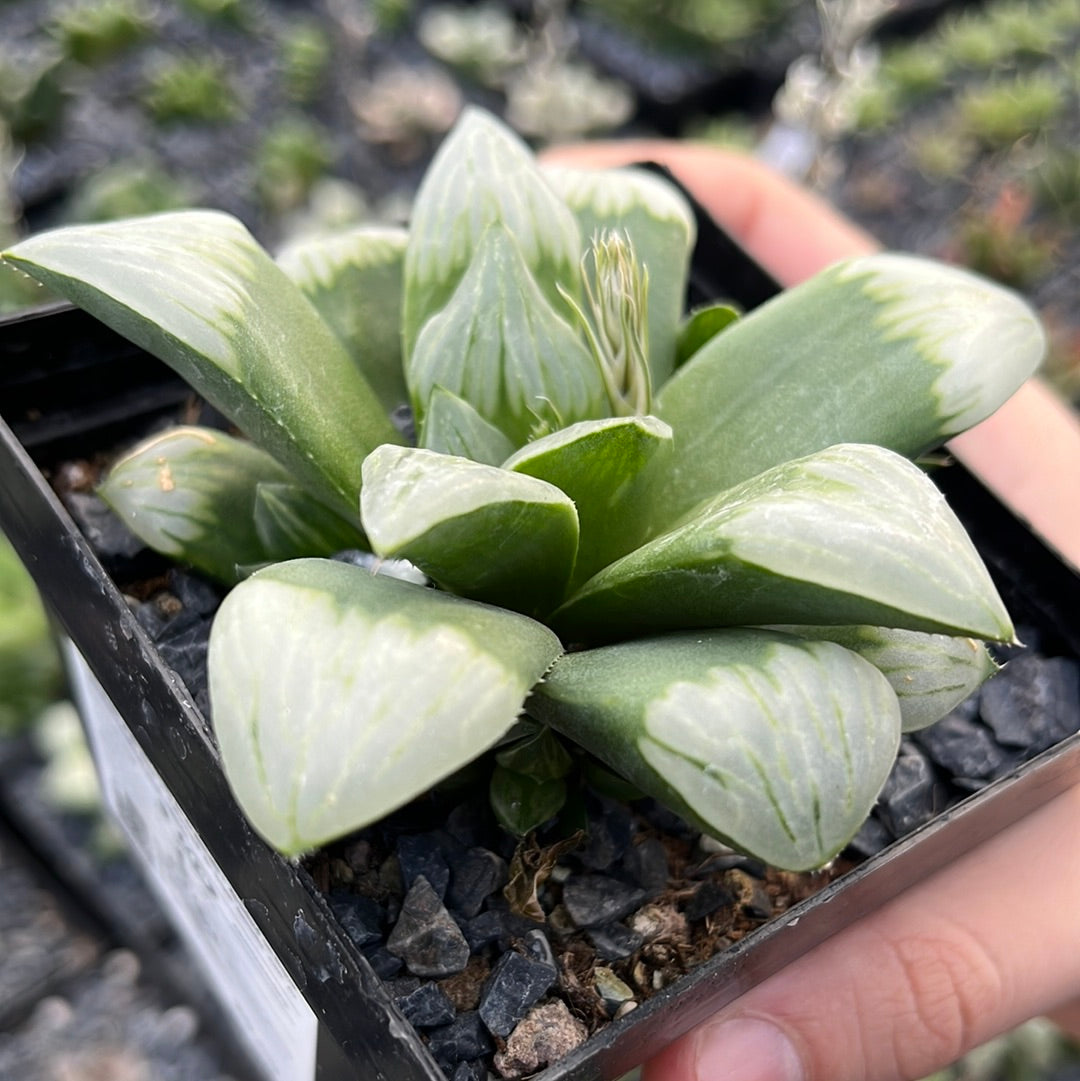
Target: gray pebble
515 984
592 900
425 937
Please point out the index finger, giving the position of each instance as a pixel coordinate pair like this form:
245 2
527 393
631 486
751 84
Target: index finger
789 230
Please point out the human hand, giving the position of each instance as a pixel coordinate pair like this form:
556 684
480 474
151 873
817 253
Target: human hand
990 941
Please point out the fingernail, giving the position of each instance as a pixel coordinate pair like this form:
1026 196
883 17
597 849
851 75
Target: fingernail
746 1050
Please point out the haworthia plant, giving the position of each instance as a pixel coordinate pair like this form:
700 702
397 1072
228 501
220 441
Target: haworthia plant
646 497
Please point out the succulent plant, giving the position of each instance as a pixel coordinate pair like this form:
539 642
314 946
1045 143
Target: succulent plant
694 545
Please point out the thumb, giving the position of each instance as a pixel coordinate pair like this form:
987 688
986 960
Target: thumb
971 952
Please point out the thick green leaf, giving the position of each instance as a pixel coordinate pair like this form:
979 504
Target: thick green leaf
538 755
930 673
700 327
481 175
382 689
851 534
501 346
479 531
888 349
522 803
290 523
194 494
609 468
662 228
354 279
194 288
452 426
776 745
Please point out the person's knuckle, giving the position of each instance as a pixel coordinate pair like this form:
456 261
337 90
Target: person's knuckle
948 985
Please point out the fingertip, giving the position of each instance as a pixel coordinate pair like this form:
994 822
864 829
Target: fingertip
737 1049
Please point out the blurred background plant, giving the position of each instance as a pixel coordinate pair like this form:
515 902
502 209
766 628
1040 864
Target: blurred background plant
964 145
29 666
1036 1051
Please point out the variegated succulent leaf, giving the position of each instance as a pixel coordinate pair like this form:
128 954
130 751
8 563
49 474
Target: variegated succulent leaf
609 468
476 530
930 673
194 288
887 348
522 803
853 534
776 745
501 346
700 326
193 494
483 174
452 426
661 227
317 737
354 279
290 523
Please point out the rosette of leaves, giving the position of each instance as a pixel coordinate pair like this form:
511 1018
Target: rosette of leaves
695 546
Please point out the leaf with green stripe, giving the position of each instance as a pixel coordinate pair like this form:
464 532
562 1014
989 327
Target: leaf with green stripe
354 280
194 288
930 673
609 468
317 738
500 345
452 426
888 349
195 494
290 523
476 530
853 534
776 745
482 175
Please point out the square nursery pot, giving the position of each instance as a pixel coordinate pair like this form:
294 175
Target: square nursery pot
293 973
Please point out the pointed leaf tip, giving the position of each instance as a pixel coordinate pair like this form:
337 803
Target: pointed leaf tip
480 175
852 534
984 339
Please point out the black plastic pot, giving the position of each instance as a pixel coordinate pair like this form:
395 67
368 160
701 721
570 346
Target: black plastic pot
70 388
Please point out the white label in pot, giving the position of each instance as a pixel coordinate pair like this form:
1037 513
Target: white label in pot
269 1015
